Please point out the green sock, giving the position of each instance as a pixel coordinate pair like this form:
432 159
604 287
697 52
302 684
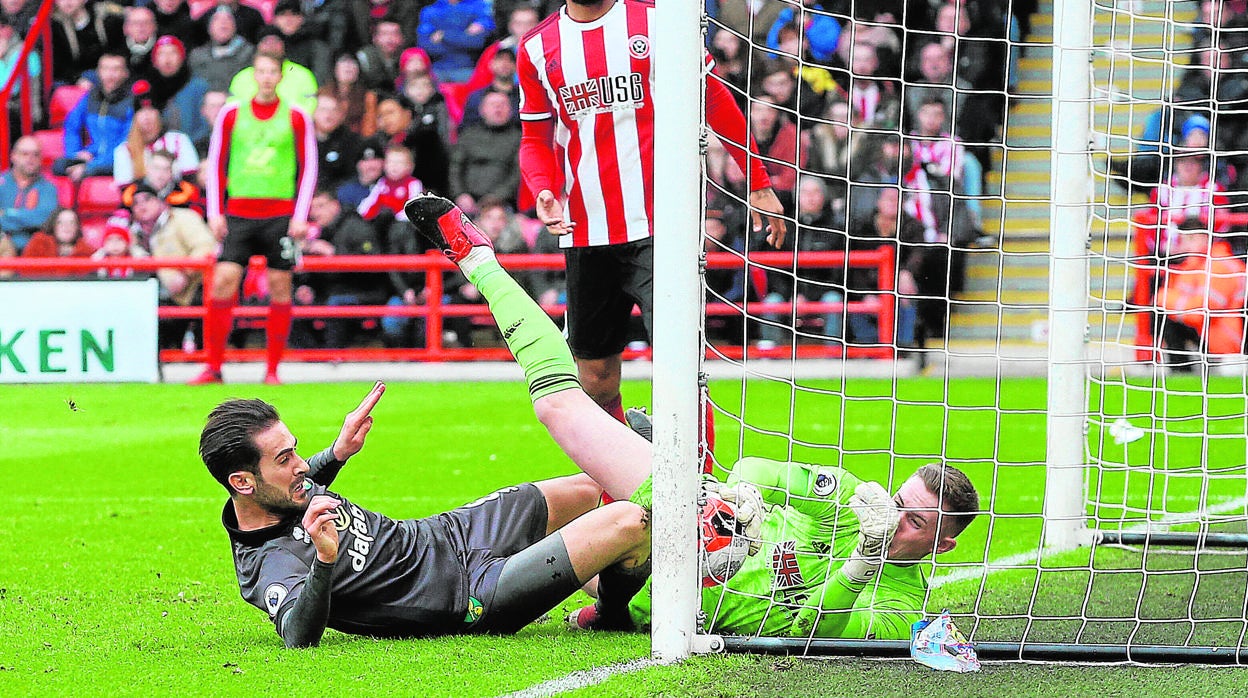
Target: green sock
532 337
643 496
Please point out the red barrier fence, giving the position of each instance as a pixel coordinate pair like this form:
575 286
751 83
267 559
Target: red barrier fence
435 311
41 28
1148 277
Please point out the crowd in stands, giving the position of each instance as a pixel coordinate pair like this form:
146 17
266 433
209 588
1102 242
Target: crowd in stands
1196 176
415 95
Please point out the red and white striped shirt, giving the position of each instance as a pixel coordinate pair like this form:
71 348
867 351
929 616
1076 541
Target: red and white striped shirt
595 81
219 157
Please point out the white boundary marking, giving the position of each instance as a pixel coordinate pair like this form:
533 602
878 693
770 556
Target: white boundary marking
582 679
592 677
1018 560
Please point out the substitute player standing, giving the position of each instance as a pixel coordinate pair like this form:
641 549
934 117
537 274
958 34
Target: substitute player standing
261 178
587 152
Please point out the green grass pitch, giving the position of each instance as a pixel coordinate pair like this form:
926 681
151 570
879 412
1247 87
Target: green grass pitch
115 576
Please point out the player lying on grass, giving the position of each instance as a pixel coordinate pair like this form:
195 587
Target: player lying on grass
821 571
313 559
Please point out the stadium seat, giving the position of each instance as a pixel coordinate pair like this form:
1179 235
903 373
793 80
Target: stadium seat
93 229
64 190
266 7
200 7
63 100
98 195
51 143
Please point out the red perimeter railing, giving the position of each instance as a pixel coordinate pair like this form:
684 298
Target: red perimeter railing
1149 274
40 29
435 311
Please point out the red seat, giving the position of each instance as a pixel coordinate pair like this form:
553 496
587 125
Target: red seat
64 190
266 7
98 195
200 7
51 143
64 98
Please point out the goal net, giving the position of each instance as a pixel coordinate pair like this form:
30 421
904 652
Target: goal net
1012 249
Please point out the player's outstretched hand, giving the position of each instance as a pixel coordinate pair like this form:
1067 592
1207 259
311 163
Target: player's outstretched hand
318 521
550 213
877 518
765 200
355 427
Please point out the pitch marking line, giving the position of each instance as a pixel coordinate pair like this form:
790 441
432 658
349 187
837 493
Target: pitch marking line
592 677
1028 558
582 679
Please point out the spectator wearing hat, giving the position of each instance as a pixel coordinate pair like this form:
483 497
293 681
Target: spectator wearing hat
298 85
336 145
173 17
368 170
175 91
226 52
175 190
260 186
379 60
454 32
168 232
249 20
139 30
98 123
302 46
117 244
26 196
148 135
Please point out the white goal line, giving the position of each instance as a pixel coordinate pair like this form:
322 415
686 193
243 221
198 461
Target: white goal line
962 574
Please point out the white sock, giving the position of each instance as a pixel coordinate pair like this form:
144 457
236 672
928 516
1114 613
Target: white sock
475 258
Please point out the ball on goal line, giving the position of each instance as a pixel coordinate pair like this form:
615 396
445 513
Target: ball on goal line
722 545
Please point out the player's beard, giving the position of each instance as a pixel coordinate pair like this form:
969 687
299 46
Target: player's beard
590 3
275 501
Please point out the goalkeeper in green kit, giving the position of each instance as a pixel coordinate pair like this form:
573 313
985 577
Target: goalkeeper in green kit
832 555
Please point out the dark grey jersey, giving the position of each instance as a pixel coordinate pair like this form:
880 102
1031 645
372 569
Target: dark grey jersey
392 578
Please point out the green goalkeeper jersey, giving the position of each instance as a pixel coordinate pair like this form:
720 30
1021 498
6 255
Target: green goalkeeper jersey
793 586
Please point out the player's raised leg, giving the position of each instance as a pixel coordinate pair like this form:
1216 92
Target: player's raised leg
602 447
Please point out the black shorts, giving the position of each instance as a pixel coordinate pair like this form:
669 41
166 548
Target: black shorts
515 572
266 237
604 283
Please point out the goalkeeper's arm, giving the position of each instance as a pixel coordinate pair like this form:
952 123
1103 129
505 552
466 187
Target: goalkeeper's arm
827 613
816 491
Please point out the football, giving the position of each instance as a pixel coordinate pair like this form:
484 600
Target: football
722 545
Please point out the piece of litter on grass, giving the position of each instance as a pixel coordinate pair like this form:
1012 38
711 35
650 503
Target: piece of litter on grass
939 644
1124 432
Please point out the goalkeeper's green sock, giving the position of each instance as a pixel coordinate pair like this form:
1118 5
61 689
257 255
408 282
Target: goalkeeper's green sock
643 496
532 337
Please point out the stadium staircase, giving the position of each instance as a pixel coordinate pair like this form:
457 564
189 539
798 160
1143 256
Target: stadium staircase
1007 289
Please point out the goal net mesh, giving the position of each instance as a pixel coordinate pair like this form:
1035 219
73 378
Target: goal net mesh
905 320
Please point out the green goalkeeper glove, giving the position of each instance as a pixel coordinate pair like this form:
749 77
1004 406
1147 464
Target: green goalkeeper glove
748 504
877 522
